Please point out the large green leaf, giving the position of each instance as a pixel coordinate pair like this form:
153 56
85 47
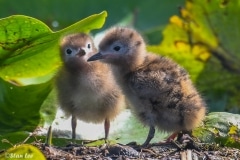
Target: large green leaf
196 41
29 57
29 49
215 24
17 31
19 106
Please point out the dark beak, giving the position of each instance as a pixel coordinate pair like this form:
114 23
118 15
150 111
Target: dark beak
96 57
81 52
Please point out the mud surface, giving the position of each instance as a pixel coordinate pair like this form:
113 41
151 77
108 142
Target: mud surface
166 151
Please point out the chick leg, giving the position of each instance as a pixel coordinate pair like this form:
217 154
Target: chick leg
106 127
180 136
150 136
74 125
172 137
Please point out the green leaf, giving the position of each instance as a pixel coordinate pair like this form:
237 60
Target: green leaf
49 108
215 24
15 138
24 151
29 49
17 31
220 127
29 58
10 139
100 142
199 41
19 106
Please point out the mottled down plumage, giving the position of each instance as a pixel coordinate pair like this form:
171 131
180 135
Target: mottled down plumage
159 90
87 91
165 95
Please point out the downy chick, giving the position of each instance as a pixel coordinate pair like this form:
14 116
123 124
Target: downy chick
159 90
87 91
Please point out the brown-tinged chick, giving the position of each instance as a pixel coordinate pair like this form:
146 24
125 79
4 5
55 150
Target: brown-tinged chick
159 90
87 91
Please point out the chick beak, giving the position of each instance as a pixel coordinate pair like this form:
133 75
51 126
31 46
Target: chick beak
81 53
96 57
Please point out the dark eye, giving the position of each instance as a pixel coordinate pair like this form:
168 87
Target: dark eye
89 46
117 48
68 51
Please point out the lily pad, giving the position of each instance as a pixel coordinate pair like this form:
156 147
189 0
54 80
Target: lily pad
220 127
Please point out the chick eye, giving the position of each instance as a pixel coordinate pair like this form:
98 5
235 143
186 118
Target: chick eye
68 51
89 46
117 48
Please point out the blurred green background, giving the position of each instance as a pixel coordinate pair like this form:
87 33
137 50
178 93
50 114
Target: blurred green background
201 35
145 16
218 85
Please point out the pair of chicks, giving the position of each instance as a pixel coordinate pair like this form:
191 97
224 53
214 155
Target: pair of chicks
160 92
